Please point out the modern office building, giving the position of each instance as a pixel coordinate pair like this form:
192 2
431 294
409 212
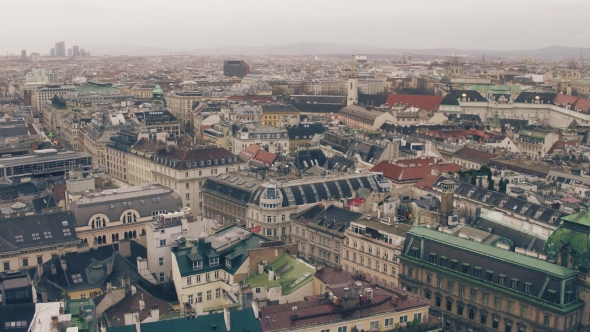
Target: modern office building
237 68
23 55
76 50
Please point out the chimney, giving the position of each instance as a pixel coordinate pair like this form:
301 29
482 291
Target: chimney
346 292
137 324
155 313
40 270
294 315
226 319
255 309
54 322
64 266
271 275
109 286
44 295
133 290
125 248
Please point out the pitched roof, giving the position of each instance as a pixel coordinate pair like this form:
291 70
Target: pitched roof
427 182
412 169
249 152
181 159
420 101
264 158
37 230
560 145
477 156
288 269
485 250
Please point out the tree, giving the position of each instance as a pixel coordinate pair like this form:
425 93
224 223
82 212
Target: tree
480 182
490 184
473 177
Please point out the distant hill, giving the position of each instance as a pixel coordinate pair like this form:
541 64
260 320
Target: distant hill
319 48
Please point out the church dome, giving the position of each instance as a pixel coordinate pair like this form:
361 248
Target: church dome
569 245
572 65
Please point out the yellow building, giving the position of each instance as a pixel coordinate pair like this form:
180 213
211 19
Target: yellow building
372 249
342 303
278 116
112 215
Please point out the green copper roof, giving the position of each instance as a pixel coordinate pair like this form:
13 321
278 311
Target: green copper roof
158 90
575 233
294 270
582 217
506 256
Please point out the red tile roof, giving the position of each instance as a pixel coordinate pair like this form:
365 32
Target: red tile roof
428 182
264 158
413 170
478 156
424 102
318 310
249 152
560 145
576 102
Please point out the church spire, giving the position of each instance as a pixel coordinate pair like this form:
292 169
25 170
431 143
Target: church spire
352 69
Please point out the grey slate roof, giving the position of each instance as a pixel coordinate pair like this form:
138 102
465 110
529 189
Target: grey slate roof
17 233
155 197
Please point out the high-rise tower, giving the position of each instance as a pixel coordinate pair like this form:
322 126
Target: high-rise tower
353 92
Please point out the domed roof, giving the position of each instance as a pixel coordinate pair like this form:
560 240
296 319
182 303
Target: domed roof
575 234
158 90
455 62
572 65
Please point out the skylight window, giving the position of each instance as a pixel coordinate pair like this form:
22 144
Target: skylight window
36 236
67 232
77 278
64 223
47 235
19 238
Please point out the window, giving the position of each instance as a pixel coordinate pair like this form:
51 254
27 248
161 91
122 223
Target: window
198 278
217 293
546 320
461 290
209 296
522 310
410 273
25 262
39 259
67 232
551 295
510 306
527 287
439 282
460 309
429 279
374 325
163 243
161 261
449 305
36 236
418 317
216 274
477 272
432 257
207 276
471 314
443 261
496 322
325 330
342 329
77 278
501 279
190 298
454 263
514 283
199 297
497 301
21 324
489 275
483 318
228 263
197 265
472 294
214 261
438 300
403 319
484 299
465 268
189 280
188 196
450 286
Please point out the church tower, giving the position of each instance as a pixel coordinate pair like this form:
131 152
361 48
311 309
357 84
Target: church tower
353 92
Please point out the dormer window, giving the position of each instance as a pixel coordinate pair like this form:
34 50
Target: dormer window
525 208
197 265
470 191
504 200
214 261
228 263
539 213
486 197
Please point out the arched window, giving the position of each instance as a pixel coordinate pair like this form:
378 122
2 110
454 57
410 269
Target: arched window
564 258
134 234
99 240
117 237
113 239
126 235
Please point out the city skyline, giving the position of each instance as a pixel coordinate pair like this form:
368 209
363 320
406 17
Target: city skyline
380 23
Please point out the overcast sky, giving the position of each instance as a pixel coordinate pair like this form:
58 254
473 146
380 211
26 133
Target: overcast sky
35 25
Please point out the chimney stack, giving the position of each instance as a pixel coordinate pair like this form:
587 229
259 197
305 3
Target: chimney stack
226 319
